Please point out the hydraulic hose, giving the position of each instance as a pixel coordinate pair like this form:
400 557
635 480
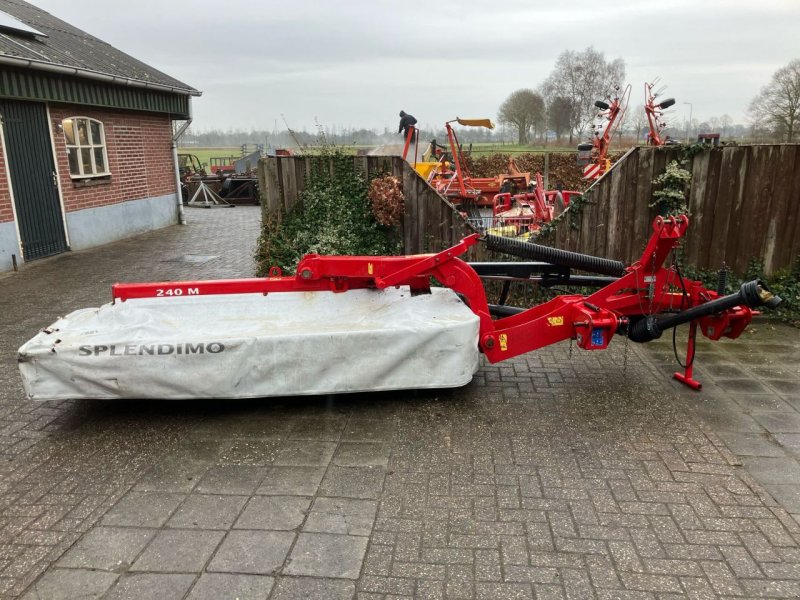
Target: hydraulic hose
752 293
573 260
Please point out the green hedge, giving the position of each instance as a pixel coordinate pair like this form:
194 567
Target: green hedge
333 216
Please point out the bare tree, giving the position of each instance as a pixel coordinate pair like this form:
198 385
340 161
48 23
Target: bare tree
559 115
779 102
622 123
583 77
695 127
639 123
725 122
756 117
524 109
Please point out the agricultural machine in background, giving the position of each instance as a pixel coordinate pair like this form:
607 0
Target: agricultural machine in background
522 215
593 156
232 180
222 165
189 165
655 115
371 323
448 174
511 204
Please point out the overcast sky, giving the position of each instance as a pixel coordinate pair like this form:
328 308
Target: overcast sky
359 62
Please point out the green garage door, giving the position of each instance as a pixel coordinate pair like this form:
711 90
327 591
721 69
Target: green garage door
33 178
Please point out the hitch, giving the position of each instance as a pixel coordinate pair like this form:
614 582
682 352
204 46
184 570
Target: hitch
724 316
640 301
715 321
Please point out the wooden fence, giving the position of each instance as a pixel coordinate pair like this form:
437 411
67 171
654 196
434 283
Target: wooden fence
282 179
744 203
430 223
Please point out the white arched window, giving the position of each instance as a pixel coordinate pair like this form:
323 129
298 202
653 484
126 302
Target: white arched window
86 147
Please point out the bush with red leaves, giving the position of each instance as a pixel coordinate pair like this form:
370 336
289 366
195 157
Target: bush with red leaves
386 195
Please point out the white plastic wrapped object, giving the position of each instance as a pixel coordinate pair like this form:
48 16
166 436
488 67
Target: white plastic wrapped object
251 345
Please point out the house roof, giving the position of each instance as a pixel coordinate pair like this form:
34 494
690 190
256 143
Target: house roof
70 51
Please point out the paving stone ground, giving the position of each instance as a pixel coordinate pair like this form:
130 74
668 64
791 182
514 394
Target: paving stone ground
554 475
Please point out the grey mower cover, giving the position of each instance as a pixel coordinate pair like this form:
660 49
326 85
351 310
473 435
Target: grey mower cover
252 345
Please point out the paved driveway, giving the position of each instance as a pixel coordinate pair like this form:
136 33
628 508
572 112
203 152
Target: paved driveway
554 475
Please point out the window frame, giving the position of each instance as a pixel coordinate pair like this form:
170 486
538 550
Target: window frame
77 147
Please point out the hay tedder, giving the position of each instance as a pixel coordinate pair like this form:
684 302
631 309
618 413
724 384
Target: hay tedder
654 110
593 155
367 323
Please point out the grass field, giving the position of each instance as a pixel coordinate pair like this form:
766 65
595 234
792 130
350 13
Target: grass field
483 149
204 155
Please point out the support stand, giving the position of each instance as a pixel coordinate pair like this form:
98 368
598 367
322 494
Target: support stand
211 199
686 377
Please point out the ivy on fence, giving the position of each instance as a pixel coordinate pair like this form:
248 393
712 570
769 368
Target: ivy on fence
334 216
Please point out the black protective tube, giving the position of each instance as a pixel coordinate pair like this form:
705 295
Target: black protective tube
564 258
749 294
501 310
574 281
520 270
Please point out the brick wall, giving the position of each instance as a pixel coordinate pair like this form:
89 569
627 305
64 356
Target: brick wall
139 158
6 213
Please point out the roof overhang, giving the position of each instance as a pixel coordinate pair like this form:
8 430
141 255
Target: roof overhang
26 63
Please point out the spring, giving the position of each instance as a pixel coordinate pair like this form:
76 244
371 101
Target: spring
722 281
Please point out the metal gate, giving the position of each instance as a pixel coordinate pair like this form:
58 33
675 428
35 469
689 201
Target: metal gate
29 155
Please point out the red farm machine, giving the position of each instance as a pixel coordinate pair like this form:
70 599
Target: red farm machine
231 181
655 115
223 165
593 155
512 204
367 323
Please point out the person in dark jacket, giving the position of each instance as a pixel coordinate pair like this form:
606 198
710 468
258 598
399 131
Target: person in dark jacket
406 121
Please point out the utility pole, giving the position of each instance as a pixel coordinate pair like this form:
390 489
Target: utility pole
689 122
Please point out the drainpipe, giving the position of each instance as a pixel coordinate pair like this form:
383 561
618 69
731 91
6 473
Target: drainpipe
179 133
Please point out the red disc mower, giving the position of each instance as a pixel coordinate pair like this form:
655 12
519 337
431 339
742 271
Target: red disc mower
365 323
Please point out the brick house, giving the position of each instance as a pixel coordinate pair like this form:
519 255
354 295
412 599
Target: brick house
86 149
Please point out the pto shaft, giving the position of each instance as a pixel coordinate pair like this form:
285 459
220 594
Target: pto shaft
753 293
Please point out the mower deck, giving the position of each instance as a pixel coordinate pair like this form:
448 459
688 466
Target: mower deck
255 345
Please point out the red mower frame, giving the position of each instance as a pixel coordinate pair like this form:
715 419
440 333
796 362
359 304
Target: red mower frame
645 299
